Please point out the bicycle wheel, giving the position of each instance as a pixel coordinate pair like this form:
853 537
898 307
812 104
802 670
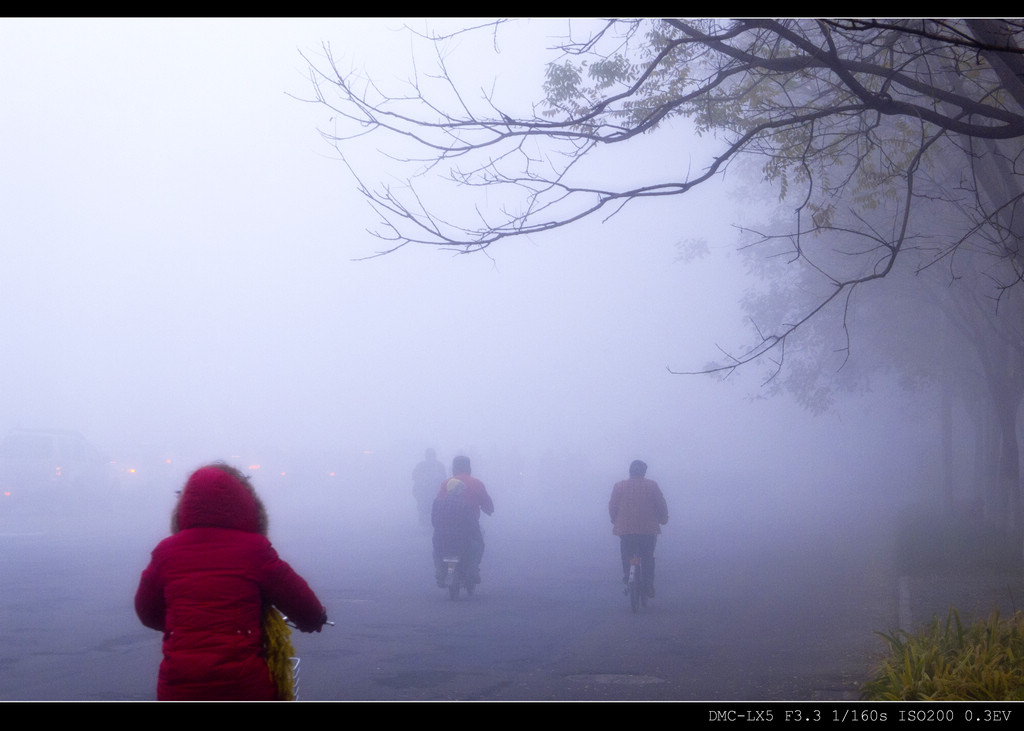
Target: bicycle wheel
635 587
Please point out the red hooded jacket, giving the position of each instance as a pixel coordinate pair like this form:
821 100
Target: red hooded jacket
475 494
205 589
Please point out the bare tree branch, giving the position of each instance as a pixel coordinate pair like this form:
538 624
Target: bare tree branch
857 112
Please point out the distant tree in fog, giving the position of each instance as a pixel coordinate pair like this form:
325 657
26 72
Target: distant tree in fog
890 146
949 321
938 333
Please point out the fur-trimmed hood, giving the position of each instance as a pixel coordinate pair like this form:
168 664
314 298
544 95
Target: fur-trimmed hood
219 496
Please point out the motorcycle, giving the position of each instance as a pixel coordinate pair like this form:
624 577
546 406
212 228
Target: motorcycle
454 580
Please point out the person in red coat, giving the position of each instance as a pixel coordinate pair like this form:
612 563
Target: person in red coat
207 585
475 494
638 510
456 531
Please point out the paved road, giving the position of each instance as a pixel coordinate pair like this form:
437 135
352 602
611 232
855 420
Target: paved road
783 612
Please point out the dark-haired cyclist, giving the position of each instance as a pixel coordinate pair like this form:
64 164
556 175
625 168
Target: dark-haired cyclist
638 510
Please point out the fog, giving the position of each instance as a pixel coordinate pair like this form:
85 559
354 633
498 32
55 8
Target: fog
183 280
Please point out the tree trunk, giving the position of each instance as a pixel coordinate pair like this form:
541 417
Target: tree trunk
1009 466
947 440
1009 65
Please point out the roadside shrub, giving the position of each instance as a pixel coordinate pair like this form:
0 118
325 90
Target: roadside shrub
947 661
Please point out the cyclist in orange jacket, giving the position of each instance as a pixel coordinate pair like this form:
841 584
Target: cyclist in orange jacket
638 510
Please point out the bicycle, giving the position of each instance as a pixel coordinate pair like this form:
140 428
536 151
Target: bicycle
635 584
293 661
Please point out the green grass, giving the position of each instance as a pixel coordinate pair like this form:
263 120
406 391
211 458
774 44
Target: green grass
948 661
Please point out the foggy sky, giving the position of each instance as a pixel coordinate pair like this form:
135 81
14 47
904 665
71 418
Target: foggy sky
178 249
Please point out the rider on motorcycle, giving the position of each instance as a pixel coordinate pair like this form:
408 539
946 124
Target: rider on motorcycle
455 527
456 520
